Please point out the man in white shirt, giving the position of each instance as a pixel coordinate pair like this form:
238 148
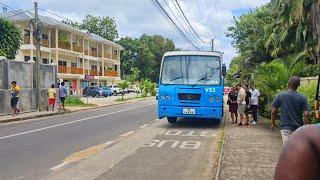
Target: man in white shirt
255 93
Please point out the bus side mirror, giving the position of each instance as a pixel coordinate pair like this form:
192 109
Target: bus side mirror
224 70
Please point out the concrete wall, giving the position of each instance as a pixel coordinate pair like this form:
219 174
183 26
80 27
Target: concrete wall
23 73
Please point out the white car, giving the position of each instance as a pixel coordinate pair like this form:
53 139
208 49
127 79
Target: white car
115 90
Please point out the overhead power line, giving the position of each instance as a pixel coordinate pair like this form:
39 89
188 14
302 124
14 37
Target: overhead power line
17 14
170 20
188 21
177 18
49 12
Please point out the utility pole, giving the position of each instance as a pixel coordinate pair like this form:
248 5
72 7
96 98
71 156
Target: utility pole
212 44
37 31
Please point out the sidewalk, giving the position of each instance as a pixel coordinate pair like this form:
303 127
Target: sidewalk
100 102
250 153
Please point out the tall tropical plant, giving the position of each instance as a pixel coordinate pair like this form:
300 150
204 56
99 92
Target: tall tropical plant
10 39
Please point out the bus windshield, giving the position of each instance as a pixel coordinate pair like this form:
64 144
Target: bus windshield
191 70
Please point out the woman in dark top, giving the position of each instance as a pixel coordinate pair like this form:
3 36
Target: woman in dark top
233 105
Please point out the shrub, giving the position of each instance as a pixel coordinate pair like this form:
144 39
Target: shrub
10 39
73 100
310 91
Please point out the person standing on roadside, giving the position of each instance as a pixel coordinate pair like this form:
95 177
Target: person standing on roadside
15 94
233 105
62 95
51 97
241 103
254 105
292 105
248 108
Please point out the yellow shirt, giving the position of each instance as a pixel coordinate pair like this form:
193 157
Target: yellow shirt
14 90
52 93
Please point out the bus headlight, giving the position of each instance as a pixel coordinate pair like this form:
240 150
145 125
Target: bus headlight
211 99
218 99
168 97
162 97
214 99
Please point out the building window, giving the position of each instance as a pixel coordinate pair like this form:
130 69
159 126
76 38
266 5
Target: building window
62 63
73 64
26 32
45 61
115 52
26 58
44 36
93 49
34 59
116 67
94 67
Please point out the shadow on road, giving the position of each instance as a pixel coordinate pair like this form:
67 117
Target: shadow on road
184 123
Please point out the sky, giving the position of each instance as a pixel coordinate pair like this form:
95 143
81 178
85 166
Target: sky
209 18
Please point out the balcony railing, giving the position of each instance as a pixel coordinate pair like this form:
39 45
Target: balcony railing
64 45
110 73
93 73
86 52
62 69
44 43
75 70
93 53
107 56
115 57
77 48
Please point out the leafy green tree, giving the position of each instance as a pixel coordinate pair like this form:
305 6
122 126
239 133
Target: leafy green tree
124 85
10 39
103 26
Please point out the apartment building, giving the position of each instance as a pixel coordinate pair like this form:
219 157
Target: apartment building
82 58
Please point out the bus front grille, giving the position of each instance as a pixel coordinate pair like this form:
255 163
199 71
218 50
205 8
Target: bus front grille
188 96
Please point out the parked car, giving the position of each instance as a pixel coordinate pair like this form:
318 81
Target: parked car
130 89
95 91
108 90
115 90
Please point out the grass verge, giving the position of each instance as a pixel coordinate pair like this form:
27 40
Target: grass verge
75 101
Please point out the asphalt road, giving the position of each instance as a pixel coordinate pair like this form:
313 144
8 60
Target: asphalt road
118 142
29 150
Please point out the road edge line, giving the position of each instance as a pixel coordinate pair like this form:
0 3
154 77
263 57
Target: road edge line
221 150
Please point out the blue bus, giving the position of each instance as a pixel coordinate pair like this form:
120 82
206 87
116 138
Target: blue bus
191 85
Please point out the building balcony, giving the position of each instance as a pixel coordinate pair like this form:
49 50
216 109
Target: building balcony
107 56
93 73
44 43
115 58
62 69
26 40
86 52
78 49
93 53
64 45
75 70
110 73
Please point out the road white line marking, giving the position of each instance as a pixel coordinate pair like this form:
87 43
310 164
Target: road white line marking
58 166
127 134
146 125
71 122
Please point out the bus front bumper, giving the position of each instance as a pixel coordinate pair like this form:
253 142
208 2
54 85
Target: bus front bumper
190 112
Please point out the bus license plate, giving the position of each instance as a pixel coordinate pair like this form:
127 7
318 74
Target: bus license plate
189 111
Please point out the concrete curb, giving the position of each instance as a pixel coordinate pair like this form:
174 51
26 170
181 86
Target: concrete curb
69 111
221 151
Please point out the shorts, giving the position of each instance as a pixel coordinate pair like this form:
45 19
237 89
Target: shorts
51 101
62 99
14 102
285 133
241 108
233 108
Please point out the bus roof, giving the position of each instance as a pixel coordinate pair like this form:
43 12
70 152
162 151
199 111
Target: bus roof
203 53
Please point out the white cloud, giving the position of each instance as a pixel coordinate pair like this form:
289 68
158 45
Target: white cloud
210 18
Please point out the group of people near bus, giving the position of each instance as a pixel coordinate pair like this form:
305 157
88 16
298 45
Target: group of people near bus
52 94
242 101
301 141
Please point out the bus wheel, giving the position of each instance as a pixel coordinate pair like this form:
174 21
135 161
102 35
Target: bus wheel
172 120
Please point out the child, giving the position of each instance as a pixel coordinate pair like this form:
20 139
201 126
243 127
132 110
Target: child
51 97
